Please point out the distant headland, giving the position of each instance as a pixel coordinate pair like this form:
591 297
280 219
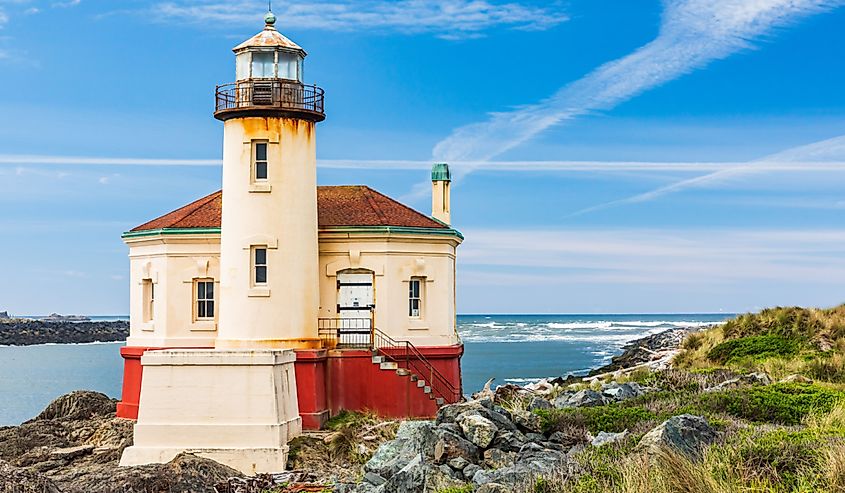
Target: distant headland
59 329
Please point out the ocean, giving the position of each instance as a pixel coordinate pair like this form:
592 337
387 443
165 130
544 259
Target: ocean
510 348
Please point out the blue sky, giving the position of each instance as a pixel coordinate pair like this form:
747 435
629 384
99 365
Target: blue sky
613 156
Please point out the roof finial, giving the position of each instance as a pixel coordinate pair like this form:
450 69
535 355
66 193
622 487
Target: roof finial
270 17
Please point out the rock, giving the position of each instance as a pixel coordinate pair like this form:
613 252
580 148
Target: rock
532 461
511 441
749 380
535 437
184 474
450 446
20 332
528 421
497 459
478 429
410 478
470 470
412 438
391 457
586 398
451 427
562 401
686 434
448 471
13 479
71 453
440 479
605 438
493 488
539 403
373 479
796 378
450 413
620 392
458 463
79 405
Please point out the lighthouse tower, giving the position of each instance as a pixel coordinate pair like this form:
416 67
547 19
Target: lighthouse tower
237 403
269 253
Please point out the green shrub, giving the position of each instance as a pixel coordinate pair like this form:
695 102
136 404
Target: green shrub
778 403
787 460
611 418
757 347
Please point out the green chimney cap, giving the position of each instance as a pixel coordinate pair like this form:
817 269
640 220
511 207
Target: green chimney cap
440 172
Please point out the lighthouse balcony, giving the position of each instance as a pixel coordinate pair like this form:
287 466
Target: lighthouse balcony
269 97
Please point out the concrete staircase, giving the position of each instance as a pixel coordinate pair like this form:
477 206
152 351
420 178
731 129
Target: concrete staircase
393 366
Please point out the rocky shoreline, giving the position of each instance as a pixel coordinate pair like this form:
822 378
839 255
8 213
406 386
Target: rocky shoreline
74 445
24 332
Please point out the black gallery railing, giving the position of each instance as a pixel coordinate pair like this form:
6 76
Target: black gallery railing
278 94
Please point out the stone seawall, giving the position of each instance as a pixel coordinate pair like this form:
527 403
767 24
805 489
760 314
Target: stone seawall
30 332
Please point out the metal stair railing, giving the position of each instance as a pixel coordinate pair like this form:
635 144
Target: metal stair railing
406 355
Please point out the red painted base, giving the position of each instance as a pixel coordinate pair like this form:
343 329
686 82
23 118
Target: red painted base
329 382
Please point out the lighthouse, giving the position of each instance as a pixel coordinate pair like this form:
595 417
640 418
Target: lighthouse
269 256
237 403
273 304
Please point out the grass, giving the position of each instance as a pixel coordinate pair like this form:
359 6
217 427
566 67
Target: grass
757 347
778 438
778 341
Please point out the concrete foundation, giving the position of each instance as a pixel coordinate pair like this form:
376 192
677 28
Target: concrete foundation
237 407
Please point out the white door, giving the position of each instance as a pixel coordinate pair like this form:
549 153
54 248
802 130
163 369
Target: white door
355 304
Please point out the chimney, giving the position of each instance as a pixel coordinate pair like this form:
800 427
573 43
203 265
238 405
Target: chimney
441 180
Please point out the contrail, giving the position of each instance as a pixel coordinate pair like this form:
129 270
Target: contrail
693 33
829 152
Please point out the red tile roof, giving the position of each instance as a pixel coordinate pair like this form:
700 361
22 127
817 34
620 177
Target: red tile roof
337 206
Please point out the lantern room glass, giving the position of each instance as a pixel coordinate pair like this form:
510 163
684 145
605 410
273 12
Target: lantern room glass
265 64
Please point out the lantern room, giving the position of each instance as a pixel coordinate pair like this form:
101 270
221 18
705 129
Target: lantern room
269 55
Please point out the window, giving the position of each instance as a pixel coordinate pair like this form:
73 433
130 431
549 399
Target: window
263 65
205 299
259 265
260 161
288 64
415 297
149 295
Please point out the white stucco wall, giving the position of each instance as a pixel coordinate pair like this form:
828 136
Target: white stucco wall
174 261
279 214
171 263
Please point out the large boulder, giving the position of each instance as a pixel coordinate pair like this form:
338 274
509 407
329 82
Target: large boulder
531 462
686 434
450 446
184 474
586 398
606 438
477 429
528 421
413 438
13 479
79 405
621 391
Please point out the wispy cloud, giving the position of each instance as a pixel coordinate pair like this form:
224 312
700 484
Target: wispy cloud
816 163
448 19
28 159
802 158
693 33
657 256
